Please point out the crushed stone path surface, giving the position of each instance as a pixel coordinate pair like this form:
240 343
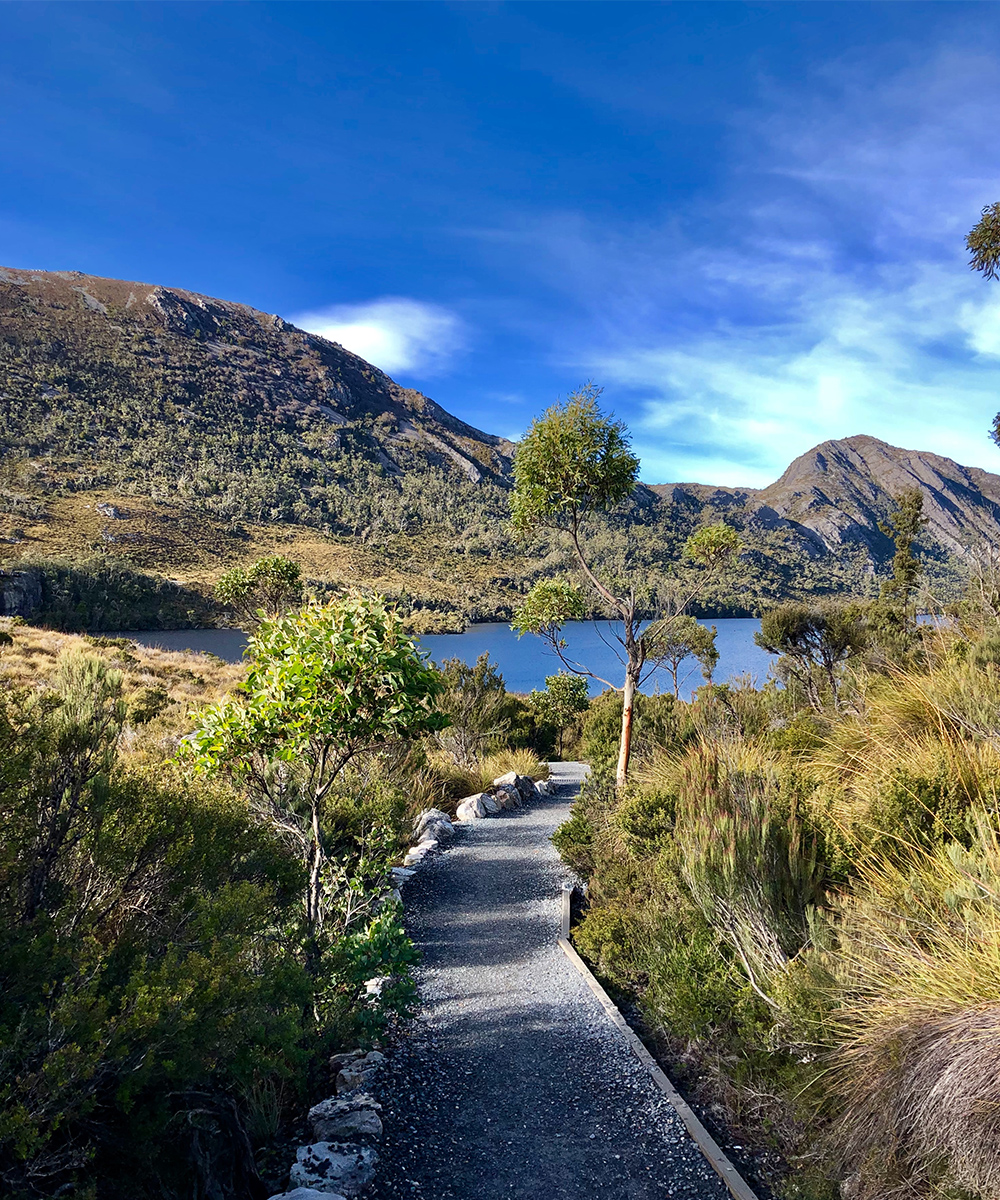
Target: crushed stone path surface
511 1082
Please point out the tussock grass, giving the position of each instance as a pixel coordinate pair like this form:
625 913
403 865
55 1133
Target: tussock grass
457 781
918 1064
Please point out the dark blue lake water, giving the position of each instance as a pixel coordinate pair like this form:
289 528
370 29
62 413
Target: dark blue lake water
525 662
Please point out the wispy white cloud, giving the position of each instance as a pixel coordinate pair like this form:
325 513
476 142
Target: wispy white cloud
821 291
395 333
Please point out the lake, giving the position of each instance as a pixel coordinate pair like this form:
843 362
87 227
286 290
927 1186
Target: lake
526 661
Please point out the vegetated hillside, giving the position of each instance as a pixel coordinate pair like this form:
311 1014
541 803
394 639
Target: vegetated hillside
152 429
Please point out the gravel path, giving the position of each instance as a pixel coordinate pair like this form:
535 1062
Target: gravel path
512 1082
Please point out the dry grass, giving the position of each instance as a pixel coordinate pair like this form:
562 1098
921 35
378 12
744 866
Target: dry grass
919 1064
456 781
192 548
187 679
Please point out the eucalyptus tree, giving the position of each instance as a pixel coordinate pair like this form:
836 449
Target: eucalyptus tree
573 463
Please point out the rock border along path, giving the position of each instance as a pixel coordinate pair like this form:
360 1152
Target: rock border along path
512 1082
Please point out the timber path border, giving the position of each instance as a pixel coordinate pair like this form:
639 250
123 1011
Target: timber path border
512 1081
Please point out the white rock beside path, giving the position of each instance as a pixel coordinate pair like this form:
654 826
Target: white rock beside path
432 823
307 1193
334 1169
474 808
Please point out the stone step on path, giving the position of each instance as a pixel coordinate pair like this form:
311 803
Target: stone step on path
512 1082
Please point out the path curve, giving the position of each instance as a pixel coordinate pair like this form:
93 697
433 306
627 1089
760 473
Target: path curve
511 1081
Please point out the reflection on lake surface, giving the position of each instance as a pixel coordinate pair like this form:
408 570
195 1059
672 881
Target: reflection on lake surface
526 661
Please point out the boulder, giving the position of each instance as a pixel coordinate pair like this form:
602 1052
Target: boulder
545 787
432 822
524 784
400 875
491 804
20 592
527 787
306 1193
508 796
334 1168
339 1061
472 808
349 1120
419 852
359 1073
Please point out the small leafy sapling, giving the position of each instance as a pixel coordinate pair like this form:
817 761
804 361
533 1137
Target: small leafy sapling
564 699
325 684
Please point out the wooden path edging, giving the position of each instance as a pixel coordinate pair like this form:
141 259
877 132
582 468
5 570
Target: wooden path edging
711 1149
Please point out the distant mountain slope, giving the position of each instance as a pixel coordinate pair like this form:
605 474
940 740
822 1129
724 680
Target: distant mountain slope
835 495
174 389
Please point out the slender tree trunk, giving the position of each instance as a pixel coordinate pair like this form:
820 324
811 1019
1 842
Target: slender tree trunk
625 745
314 904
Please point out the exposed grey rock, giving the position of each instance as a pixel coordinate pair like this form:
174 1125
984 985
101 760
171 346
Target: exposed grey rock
508 796
338 1061
836 493
472 808
359 1074
308 1193
523 784
491 804
419 852
526 786
353 1119
111 511
334 1168
20 592
432 823
544 787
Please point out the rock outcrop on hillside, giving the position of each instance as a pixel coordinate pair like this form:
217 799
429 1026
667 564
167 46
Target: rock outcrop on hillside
835 495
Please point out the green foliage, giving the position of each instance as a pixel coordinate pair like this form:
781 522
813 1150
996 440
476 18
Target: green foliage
659 723
102 592
903 525
813 643
547 608
136 912
983 242
266 588
751 864
676 638
479 710
565 698
324 685
572 461
574 839
712 545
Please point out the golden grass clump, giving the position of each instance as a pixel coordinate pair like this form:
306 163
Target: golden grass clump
918 1065
457 781
910 729
163 684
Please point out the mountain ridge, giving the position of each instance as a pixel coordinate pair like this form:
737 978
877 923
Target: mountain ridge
180 434
836 507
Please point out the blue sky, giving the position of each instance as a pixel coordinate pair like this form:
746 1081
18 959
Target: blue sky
745 220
